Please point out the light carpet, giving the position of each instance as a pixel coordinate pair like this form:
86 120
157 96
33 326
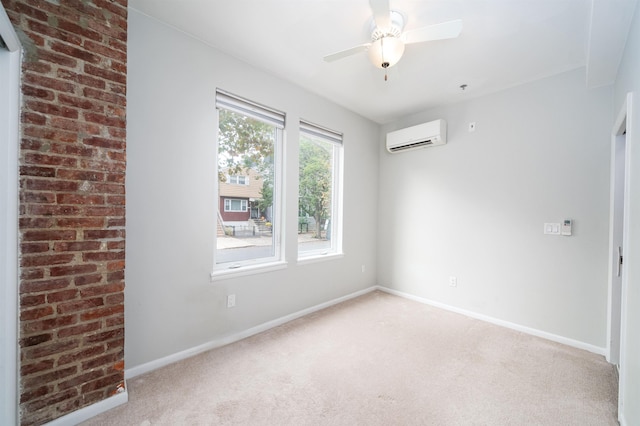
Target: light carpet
378 360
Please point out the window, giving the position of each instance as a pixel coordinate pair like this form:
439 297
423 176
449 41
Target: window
233 205
239 180
319 197
249 211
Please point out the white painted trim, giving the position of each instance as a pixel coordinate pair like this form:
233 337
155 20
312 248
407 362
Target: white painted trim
496 321
179 356
622 419
92 410
628 108
7 32
9 141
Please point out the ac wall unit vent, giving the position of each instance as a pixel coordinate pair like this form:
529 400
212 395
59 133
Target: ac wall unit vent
423 135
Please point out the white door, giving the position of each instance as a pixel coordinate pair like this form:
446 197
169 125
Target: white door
618 243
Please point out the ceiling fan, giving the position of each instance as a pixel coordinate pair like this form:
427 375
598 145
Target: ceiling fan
388 40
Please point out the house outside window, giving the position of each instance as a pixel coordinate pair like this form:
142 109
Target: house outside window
249 165
320 191
235 205
239 180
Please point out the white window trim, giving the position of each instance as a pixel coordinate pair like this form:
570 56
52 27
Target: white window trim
335 251
244 270
9 141
243 202
277 119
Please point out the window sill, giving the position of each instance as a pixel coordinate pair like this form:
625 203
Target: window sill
223 274
315 258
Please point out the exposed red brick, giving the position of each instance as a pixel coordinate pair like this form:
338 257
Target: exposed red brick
102 313
87 279
35 340
63 295
31 274
52 83
48 350
39 197
112 287
61 271
81 222
72 211
77 246
36 367
48 210
46 260
81 379
79 329
105 143
79 199
105 96
41 312
49 235
52 109
33 118
84 79
100 383
80 355
49 134
115 299
116 223
48 323
41 159
29 300
45 285
102 256
79 305
35 392
81 175
51 399
99 234
28 248
116 245
37 171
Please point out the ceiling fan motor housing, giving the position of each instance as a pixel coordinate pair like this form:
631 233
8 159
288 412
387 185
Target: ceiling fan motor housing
386 46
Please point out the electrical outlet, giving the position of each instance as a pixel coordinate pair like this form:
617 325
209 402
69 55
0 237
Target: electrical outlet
453 281
231 301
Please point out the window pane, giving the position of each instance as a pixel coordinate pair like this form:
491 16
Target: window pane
246 179
317 198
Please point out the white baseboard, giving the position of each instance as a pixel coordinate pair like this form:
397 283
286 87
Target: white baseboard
622 420
532 331
161 362
92 410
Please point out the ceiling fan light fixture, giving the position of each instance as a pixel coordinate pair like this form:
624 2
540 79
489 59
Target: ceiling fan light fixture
386 51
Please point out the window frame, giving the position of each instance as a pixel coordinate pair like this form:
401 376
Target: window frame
336 139
276 118
243 202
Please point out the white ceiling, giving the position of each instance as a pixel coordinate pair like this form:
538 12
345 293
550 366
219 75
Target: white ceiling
503 43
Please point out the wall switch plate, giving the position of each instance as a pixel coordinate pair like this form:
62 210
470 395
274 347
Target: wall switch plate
231 301
472 126
552 229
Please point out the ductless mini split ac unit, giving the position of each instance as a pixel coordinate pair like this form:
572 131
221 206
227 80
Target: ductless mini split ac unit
421 136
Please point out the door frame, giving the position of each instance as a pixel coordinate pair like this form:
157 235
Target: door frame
620 147
10 60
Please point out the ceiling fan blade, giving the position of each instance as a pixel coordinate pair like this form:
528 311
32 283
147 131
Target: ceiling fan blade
445 30
348 52
381 13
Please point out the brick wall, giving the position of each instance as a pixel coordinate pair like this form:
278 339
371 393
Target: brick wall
72 203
